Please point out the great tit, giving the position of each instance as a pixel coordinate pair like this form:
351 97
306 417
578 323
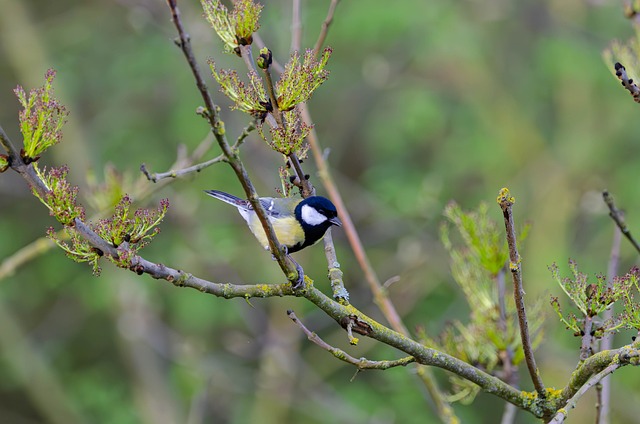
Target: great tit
297 222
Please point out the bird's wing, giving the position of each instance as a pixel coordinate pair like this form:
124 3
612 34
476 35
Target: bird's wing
230 199
269 204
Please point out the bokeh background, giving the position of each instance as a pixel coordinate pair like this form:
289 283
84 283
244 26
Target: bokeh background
426 102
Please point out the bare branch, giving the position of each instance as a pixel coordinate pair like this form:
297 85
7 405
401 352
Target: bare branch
155 177
361 363
604 388
296 27
506 203
587 338
325 27
506 355
618 218
595 379
597 362
340 293
627 83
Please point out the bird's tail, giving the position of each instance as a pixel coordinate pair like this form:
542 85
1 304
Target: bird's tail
228 198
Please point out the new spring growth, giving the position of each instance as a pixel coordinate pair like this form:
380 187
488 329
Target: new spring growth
301 78
4 163
123 230
296 85
137 229
593 298
61 196
236 28
249 98
290 138
265 59
41 119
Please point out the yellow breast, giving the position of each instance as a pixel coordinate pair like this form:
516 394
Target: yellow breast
288 231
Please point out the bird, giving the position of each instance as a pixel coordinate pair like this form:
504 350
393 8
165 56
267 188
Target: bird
298 223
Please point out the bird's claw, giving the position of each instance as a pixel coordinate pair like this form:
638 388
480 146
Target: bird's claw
299 283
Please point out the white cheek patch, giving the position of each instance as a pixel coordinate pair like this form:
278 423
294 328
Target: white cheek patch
312 216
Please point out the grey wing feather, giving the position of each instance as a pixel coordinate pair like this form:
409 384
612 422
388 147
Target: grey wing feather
230 199
267 202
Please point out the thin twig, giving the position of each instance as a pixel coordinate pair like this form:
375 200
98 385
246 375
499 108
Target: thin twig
217 127
587 338
627 82
506 355
155 177
506 201
360 363
307 188
296 27
325 27
340 293
6 142
604 389
595 379
618 218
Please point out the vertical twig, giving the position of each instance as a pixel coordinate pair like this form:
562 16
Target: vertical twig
217 127
296 27
587 339
340 293
604 388
325 27
571 403
510 376
307 189
506 201
618 218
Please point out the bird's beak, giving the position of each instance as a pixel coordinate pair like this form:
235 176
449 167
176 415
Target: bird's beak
336 221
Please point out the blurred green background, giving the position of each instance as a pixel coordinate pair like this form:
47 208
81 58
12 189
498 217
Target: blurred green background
426 102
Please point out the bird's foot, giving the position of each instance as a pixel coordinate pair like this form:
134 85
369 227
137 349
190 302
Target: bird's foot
299 283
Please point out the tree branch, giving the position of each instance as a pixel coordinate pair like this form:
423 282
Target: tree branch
604 389
595 379
361 363
296 26
217 127
625 355
506 202
155 177
587 338
618 218
506 355
325 27
345 315
627 83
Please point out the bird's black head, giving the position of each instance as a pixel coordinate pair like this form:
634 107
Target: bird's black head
316 215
